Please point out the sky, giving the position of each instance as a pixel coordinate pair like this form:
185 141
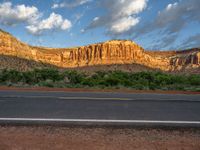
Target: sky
153 24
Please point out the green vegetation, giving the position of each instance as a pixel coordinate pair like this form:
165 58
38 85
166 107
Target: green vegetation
111 79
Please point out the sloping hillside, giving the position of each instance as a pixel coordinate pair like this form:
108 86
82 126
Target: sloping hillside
20 64
116 52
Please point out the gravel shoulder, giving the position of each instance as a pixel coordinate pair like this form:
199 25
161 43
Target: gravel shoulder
85 138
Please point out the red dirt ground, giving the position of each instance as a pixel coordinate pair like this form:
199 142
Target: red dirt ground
94 90
66 138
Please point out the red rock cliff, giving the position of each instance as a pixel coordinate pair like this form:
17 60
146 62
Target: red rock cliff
111 52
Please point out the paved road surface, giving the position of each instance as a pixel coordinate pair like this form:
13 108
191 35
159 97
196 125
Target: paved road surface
99 108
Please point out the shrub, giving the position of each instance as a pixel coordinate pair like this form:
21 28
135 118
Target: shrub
101 79
12 76
89 82
194 80
47 83
29 77
112 81
44 74
163 79
179 79
74 77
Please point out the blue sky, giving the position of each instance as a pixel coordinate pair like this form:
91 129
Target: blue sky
154 24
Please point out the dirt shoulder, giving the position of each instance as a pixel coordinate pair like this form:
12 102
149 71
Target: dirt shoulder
66 138
43 89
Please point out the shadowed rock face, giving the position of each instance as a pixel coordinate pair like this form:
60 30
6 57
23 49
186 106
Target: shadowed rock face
108 53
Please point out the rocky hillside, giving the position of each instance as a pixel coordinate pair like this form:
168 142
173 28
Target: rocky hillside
20 64
108 53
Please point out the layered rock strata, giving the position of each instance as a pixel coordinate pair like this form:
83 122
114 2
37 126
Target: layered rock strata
107 53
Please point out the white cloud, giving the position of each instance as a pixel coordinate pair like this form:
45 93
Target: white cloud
96 18
130 7
67 4
123 24
82 30
55 6
170 22
121 16
31 17
55 21
171 6
12 15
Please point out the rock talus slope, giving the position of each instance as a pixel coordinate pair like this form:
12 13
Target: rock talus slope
107 53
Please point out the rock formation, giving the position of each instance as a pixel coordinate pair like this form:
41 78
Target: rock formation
107 53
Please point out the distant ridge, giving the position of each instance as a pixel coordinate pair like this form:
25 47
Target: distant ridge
114 52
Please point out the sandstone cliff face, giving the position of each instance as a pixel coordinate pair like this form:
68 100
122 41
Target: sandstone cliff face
111 52
188 61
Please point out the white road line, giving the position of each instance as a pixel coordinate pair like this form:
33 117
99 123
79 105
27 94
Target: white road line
98 121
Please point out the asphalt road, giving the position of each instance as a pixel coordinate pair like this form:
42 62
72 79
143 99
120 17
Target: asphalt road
99 108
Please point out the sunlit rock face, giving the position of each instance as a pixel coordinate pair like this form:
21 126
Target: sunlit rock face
107 53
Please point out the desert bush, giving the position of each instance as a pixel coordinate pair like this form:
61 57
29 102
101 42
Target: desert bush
44 74
11 75
110 79
47 83
194 79
74 76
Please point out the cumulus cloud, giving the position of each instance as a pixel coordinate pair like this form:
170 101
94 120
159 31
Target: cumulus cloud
171 6
121 16
32 18
68 4
12 15
171 21
123 24
53 22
